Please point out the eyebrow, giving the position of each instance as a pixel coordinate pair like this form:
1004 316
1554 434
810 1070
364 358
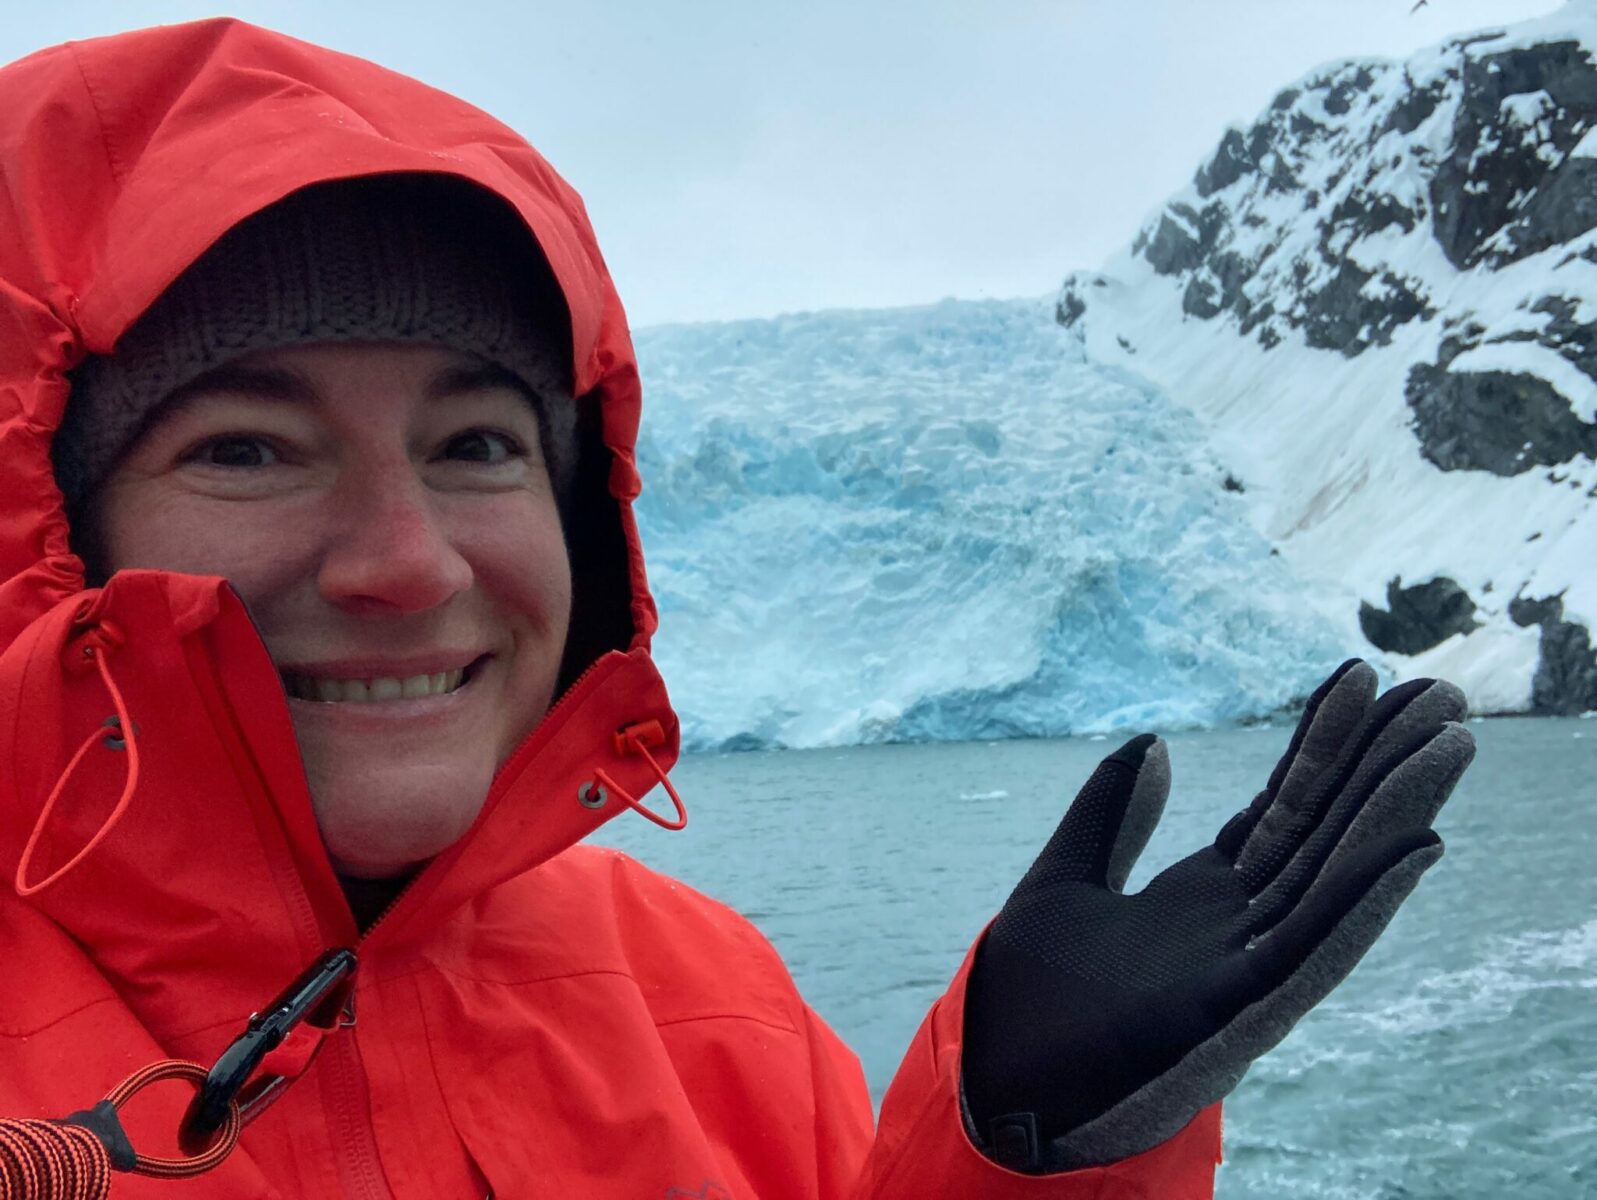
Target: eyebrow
268 383
476 376
292 387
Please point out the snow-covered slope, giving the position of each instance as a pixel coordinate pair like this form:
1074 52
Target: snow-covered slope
1381 301
943 522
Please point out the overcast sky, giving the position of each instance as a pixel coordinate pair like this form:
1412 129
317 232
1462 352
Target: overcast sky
749 157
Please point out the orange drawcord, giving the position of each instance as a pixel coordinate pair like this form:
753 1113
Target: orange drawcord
47 1160
95 653
40 1160
636 739
178 1168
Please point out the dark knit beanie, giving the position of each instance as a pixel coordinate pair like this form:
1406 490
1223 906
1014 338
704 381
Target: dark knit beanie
408 258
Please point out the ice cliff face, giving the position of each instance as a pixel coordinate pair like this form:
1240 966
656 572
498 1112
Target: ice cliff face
1381 300
944 522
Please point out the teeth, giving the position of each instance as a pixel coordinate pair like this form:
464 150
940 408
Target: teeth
346 691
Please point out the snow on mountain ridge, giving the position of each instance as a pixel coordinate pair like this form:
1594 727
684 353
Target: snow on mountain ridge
942 522
1379 298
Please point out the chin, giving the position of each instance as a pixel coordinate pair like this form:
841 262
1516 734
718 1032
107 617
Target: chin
357 857
377 832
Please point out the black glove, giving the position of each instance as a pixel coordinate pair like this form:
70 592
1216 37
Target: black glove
1098 1024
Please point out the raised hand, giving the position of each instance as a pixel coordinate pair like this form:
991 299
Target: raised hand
1097 1024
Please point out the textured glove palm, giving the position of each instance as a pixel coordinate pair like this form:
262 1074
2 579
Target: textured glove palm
1098 1024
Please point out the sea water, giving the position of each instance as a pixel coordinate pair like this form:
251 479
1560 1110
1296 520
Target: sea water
1458 1061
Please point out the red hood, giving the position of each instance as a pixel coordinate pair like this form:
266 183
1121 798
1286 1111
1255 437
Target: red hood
123 159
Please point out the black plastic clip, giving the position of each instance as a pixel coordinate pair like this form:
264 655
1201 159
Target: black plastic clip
319 996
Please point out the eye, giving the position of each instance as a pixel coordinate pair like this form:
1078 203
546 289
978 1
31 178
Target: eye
235 450
483 446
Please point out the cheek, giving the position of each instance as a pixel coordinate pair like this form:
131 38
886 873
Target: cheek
518 558
527 572
258 547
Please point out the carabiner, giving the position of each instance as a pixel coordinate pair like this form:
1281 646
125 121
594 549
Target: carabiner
318 996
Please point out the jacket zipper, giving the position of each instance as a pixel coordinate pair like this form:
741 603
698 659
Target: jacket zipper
364 1162
360 1164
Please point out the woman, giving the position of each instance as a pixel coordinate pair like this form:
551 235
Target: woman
324 623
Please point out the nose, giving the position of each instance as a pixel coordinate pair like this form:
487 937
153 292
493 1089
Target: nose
389 550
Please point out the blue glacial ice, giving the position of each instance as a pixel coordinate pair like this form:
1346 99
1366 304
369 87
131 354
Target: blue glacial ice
941 523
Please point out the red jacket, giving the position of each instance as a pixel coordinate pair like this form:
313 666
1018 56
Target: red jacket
532 1017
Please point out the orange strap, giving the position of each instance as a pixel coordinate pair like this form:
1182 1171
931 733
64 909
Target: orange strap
43 1160
40 1160
95 652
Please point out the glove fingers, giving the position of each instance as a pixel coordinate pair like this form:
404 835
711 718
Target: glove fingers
1352 684
1110 820
1411 775
1412 794
1330 720
1397 725
1326 933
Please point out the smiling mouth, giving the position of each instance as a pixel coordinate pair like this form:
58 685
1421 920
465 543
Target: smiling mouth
375 689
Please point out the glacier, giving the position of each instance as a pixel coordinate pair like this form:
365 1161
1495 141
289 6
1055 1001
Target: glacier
945 522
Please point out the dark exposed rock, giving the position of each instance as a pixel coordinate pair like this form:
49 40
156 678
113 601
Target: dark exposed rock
1339 98
1456 343
1566 673
1419 617
1575 340
1230 163
1232 270
1566 677
1304 126
1341 316
1370 213
1211 222
1199 299
1416 106
1562 69
1256 316
1525 612
1493 170
1070 308
1494 421
1333 315
1560 210
1172 249
1232 483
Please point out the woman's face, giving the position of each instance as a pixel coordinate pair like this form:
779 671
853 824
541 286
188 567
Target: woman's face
385 512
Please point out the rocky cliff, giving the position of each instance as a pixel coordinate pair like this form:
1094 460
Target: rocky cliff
1381 297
